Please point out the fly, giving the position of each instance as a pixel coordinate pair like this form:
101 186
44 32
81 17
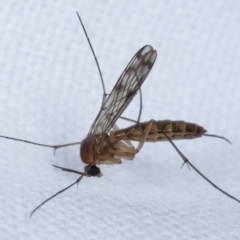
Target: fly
107 144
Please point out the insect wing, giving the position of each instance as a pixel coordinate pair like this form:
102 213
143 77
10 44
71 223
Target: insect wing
124 90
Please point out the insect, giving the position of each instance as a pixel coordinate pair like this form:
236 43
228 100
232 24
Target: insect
107 144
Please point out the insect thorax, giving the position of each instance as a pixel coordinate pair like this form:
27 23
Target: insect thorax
92 147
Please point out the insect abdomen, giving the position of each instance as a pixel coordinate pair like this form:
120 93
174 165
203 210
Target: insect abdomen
177 130
174 129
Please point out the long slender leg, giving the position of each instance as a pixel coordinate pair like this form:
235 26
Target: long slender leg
195 169
95 58
68 170
128 119
40 144
144 136
64 189
54 146
103 99
66 145
76 182
128 142
217 136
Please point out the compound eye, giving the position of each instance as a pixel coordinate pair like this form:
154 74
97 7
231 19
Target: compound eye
93 171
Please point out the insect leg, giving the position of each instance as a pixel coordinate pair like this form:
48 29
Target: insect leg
140 110
66 145
142 139
128 142
128 119
76 182
68 170
144 135
217 136
196 170
40 144
64 189
95 58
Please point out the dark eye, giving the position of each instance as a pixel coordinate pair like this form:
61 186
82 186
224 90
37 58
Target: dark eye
93 171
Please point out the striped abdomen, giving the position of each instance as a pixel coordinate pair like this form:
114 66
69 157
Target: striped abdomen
174 129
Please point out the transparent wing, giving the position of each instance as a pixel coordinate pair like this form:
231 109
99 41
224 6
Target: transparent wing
125 89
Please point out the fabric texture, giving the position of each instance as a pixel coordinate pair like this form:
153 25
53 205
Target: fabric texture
50 92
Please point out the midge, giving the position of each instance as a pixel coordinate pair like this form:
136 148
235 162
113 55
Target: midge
107 144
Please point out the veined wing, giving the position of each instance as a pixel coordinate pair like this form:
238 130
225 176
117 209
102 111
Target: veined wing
124 90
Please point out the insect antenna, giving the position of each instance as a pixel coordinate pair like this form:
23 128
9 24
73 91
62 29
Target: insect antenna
186 161
217 136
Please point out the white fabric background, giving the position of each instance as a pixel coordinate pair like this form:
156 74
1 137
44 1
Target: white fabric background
50 92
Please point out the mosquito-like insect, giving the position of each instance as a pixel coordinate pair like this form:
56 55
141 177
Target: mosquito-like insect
107 144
